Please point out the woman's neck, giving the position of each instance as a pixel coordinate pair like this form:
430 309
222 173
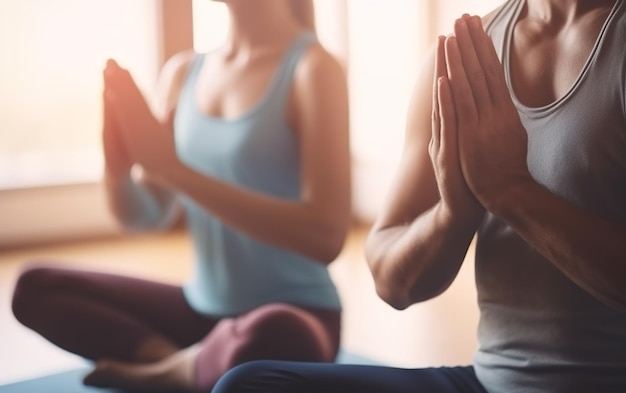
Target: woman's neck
259 23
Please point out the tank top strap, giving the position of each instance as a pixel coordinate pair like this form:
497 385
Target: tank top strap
501 24
195 67
285 72
186 97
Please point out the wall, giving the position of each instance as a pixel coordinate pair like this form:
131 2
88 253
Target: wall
381 43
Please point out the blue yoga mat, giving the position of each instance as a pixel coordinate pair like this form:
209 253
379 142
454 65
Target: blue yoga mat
64 382
71 381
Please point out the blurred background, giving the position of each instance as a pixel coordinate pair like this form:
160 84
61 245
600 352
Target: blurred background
51 203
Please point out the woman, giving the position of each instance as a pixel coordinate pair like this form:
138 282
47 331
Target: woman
252 141
531 159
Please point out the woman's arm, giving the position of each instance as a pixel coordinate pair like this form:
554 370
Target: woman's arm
315 225
137 204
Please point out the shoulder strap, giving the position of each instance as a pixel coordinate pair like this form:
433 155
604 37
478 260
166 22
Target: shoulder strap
286 70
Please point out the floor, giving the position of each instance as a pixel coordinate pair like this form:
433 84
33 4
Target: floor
438 332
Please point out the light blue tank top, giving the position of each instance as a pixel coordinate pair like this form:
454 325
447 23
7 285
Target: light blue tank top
233 272
539 332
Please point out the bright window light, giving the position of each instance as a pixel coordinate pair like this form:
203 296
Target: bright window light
52 55
210 25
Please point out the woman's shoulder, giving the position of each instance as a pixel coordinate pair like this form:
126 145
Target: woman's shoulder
172 78
180 62
176 68
317 61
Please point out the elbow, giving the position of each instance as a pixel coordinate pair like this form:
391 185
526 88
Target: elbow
330 241
331 245
392 296
135 229
398 289
128 222
333 249
131 229
389 290
402 297
138 225
133 224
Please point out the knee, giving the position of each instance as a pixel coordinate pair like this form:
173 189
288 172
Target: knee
279 317
30 288
290 333
251 376
280 321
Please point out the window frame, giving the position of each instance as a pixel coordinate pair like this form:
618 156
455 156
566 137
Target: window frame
55 213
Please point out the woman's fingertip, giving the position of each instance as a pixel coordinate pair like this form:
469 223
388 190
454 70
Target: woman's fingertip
451 40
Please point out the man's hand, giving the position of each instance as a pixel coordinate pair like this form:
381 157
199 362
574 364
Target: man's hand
456 197
492 139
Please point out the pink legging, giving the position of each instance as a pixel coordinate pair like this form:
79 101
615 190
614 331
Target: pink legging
98 315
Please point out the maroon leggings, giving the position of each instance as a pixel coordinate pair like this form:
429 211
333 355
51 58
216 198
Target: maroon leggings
97 315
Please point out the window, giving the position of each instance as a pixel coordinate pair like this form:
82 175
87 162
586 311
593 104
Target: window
52 56
210 25
53 52
387 42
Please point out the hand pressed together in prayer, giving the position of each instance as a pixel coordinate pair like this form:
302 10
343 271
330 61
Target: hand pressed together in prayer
473 97
134 129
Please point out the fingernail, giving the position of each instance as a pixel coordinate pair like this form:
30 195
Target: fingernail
475 21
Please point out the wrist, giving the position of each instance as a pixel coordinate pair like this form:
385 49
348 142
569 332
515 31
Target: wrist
462 220
117 174
171 176
117 169
510 196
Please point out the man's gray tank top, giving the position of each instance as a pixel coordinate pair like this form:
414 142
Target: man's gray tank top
538 331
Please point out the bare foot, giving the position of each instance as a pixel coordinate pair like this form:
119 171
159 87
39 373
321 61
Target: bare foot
172 374
155 349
